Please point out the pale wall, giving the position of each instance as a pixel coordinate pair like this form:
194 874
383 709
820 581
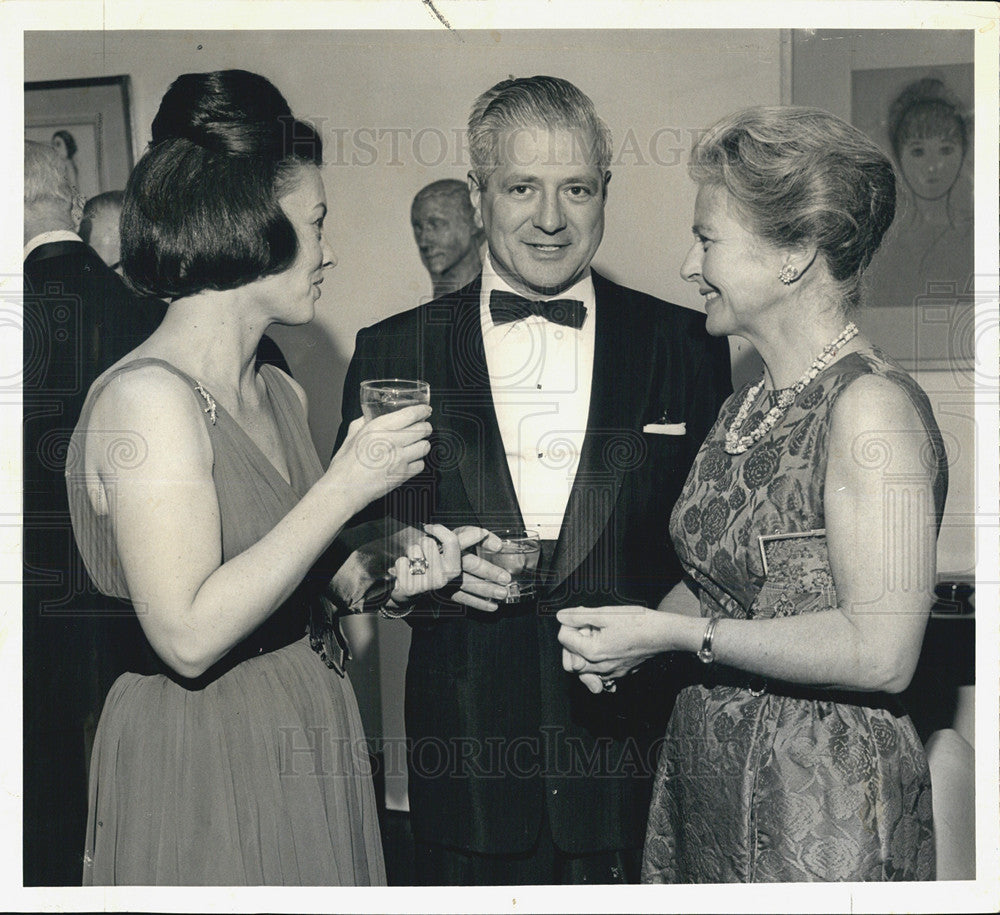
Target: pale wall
822 62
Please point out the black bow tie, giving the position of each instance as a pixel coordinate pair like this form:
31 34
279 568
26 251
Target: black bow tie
506 307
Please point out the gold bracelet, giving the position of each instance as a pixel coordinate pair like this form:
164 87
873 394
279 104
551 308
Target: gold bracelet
705 654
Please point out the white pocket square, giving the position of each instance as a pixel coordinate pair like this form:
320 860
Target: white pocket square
665 428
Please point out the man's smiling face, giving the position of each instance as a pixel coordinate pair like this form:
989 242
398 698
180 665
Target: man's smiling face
542 208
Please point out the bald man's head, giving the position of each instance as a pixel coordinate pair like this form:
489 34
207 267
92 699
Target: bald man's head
99 227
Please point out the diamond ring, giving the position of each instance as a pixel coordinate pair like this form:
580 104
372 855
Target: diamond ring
419 566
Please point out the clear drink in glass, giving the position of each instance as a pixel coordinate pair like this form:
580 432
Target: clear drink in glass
386 395
519 553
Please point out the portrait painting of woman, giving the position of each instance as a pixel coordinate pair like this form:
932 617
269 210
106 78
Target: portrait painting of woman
922 119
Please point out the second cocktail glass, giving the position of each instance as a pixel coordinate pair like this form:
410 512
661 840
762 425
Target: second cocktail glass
519 553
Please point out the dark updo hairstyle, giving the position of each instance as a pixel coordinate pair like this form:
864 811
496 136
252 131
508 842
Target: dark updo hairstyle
802 176
926 108
202 206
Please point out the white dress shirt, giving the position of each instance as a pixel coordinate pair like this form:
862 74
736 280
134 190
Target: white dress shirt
540 376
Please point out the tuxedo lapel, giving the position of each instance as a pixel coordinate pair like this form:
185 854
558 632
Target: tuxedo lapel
614 417
49 250
467 424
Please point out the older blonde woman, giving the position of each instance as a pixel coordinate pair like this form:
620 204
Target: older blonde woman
807 528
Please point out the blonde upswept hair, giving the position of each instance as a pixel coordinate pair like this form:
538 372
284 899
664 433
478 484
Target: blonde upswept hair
801 175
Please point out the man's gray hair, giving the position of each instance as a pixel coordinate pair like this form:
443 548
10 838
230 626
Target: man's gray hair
535 102
46 176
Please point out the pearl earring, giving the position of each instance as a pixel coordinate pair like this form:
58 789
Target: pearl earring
788 274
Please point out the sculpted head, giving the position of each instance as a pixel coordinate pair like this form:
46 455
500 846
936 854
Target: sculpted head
448 233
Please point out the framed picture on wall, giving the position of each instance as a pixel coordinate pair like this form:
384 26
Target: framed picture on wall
920 289
89 122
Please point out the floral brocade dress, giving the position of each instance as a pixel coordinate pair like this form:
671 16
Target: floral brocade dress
764 781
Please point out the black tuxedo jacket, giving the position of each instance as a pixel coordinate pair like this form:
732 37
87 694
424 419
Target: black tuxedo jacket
496 728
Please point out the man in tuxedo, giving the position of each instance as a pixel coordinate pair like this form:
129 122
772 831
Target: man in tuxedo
571 406
79 318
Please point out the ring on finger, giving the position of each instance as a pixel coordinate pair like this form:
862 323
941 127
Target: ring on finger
419 566
608 684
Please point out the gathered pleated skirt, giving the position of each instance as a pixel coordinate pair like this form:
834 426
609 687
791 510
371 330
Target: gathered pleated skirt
260 777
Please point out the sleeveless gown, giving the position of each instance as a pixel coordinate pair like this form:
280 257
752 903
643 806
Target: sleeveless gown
256 772
767 781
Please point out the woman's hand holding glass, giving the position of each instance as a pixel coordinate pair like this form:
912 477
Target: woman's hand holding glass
380 454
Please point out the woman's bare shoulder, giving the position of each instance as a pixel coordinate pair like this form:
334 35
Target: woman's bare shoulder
873 401
151 404
875 426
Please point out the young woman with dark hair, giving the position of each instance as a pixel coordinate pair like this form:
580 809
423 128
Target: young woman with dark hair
64 143
197 494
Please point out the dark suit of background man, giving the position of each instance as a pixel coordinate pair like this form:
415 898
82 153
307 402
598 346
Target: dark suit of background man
79 318
518 774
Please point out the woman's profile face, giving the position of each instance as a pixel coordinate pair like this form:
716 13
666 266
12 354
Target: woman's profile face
59 145
736 270
931 165
291 295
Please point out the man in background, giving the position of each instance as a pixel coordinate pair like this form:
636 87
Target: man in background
99 227
79 318
448 233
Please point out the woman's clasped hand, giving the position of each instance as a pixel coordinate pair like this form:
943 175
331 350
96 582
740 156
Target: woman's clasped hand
603 643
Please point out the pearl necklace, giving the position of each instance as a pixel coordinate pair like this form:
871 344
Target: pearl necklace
736 443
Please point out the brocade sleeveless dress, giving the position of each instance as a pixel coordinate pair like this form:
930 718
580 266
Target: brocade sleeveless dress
763 781
256 772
